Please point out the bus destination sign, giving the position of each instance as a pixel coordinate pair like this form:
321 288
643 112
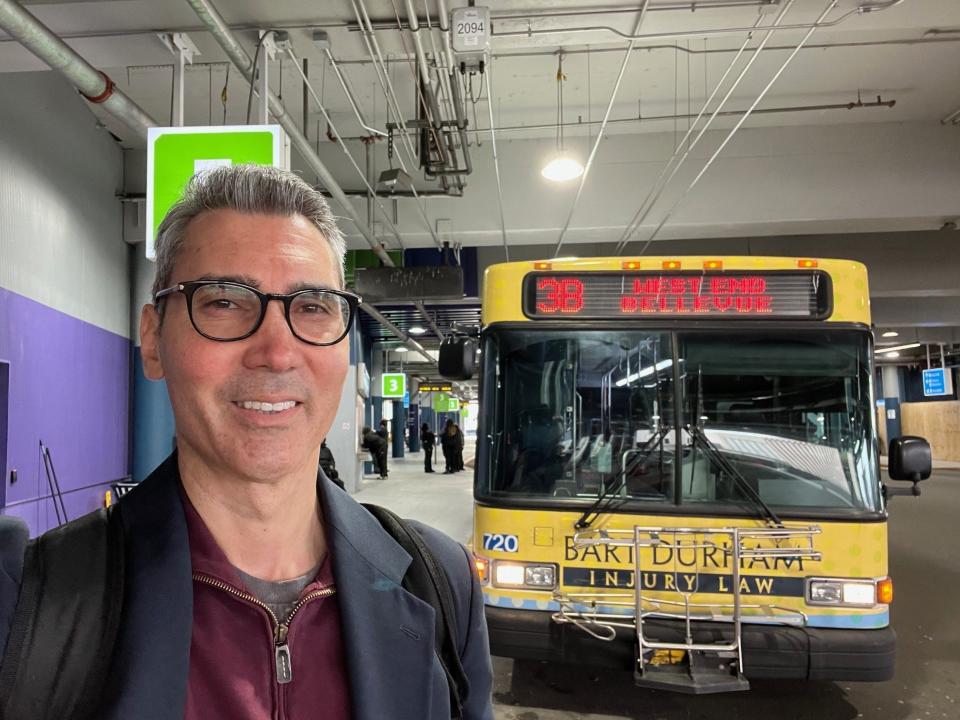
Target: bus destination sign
761 295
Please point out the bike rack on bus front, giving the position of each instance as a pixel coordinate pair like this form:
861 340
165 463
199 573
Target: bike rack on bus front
583 609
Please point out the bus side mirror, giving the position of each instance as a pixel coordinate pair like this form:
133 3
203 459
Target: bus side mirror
458 358
909 459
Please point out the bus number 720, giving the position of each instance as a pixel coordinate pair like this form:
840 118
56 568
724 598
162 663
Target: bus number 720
504 543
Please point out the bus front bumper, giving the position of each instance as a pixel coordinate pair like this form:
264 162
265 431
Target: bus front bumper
769 651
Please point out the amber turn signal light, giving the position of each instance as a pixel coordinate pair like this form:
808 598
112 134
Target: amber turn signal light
482 566
885 591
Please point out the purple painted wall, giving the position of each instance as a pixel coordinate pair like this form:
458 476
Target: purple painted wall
70 388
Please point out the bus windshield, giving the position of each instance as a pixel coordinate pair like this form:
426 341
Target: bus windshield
688 418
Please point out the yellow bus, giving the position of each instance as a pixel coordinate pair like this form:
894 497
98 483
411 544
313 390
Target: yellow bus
678 472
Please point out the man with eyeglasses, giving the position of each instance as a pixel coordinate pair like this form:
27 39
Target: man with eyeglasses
251 587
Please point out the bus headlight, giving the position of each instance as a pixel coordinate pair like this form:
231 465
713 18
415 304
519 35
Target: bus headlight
843 592
534 576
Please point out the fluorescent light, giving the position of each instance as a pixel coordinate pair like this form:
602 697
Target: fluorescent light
890 333
417 330
891 354
400 349
892 348
562 168
647 371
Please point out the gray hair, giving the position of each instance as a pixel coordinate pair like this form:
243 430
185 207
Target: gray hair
255 189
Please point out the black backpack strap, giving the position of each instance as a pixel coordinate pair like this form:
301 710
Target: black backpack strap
61 641
427 579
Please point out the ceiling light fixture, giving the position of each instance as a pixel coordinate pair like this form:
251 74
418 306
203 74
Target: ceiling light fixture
893 354
562 166
400 349
894 348
417 330
890 333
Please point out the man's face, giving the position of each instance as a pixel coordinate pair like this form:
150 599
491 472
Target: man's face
209 381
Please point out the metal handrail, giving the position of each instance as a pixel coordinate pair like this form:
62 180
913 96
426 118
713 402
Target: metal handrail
602 624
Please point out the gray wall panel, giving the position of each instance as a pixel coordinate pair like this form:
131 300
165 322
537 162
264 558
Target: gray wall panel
60 222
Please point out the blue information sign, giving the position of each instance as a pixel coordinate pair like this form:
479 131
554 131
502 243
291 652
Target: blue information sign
406 399
935 382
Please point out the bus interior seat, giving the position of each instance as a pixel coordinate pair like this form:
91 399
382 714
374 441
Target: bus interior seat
698 483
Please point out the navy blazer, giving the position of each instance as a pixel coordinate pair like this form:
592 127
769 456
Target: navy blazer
388 634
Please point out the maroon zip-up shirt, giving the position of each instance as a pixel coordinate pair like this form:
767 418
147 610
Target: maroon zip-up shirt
243 666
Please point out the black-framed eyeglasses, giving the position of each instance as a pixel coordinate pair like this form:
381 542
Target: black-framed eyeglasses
227 311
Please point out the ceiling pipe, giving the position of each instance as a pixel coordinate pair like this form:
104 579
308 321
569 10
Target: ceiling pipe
951 118
714 51
407 340
210 17
694 6
685 7
383 75
48 47
433 105
529 32
453 87
529 14
443 22
349 93
343 146
93 84
852 105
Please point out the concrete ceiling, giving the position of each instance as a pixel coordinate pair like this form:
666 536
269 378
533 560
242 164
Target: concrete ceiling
867 182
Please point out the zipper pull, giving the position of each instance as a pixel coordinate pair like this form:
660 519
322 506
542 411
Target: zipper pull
282 654
284 667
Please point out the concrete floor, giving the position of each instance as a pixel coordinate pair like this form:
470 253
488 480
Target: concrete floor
924 563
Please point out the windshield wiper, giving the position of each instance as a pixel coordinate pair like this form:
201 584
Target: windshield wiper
699 435
602 503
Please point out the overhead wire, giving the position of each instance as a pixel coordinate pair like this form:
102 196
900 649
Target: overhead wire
223 94
606 117
343 146
496 162
256 74
830 6
381 70
663 179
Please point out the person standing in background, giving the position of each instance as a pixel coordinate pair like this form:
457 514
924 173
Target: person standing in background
428 440
458 449
378 450
448 442
329 465
384 433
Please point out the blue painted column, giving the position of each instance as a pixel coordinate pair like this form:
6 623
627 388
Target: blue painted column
399 428
413 428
